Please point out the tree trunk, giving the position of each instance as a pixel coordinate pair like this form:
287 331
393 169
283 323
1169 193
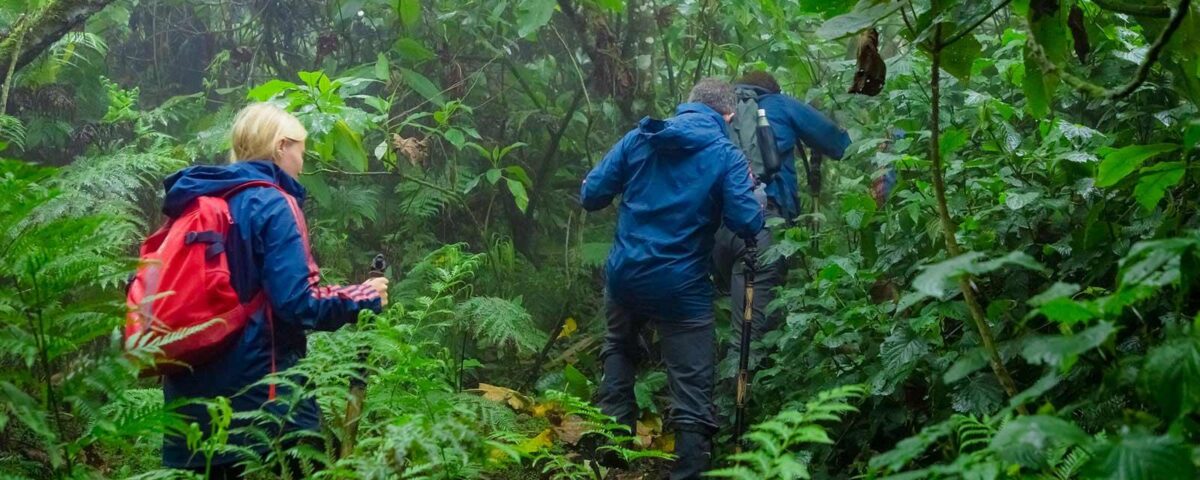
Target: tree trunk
43 28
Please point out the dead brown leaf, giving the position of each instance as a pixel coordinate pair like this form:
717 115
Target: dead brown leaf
411 148
508 396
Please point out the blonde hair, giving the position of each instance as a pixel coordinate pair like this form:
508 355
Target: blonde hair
257 130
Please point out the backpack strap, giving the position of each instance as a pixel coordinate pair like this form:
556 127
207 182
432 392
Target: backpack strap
251 184
260 300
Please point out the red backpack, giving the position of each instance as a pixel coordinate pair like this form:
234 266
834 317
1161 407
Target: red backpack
181 297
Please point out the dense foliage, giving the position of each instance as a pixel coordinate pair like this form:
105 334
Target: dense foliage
1022 304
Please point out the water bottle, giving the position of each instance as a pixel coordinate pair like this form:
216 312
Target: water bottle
766 143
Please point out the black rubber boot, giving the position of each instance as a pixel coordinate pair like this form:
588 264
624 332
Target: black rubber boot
693 452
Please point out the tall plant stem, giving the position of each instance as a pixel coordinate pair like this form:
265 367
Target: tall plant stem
12 65
950 230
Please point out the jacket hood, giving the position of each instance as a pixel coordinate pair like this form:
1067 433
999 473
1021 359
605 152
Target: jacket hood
694 126
196 181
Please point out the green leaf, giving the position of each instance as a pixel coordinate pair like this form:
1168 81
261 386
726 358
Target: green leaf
1061 350
423 86
1029 440
1121 162
532 15
520 197
1171 376
492 175
1058 290
412 50
1140 456
960 55
409 11
616 6
908 449
518 172
269 90
455 137
317 188
865 14
577 384
645 388
1018 200
1191 134
382 69
937 278
969 362
347 147
950 140
1038 87
1067 311
1154 182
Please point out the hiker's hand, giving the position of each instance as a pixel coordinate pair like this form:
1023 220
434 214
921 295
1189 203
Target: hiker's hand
380 284
750 258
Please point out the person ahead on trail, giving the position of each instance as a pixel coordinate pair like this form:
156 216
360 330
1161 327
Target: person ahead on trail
792 123
268 250
679 179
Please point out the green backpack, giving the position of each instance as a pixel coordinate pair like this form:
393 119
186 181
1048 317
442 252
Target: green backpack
758 144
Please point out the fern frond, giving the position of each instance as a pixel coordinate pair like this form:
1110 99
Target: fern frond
776 439
502 323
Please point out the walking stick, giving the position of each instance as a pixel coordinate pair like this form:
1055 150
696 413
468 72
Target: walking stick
358 383
743 378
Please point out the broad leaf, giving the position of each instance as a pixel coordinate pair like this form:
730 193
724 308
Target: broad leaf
520 197
960 55
348 148
423 86
864 15
1121 162
1038 88
1060 350
412 50
911 447
936 279
1140 456
409 11
269 90
1029 440
1171 376
382 67
1155 180
532 15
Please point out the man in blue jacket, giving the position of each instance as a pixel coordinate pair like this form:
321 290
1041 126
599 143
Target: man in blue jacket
679 179
795 124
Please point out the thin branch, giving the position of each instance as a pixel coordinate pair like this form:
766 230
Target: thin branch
975 24
1143 70
416 180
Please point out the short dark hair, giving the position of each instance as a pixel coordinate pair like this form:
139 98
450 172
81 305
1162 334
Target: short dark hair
760 79
716 93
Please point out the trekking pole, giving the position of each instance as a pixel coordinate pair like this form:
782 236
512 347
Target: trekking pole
358 383
743 379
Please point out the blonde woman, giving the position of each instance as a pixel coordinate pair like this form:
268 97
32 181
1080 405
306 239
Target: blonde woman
268 251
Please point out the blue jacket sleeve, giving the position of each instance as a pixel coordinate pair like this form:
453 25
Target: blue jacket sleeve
742 213
606 180
290 277
816 130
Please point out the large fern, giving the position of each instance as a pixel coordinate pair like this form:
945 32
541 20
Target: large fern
775 441
502 323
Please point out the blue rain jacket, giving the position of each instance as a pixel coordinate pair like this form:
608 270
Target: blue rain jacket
794 121
267 250
678 179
